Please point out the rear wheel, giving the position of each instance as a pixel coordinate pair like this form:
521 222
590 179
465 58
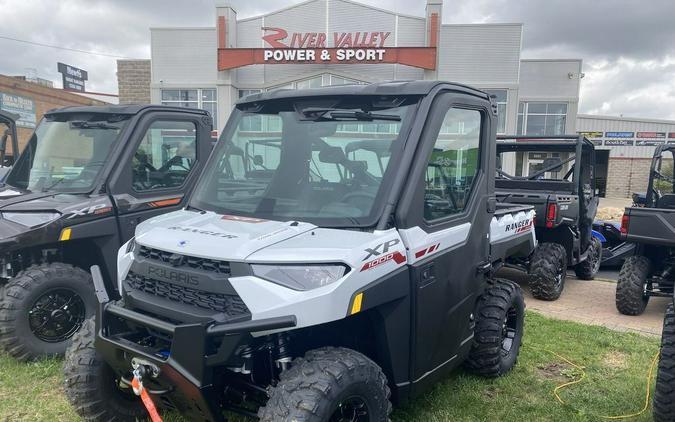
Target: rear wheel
42 307
548 271
631 287
664 393
500 319
588 268
329 385
92 387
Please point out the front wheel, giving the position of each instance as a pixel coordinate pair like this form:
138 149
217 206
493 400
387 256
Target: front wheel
42 307
92 387
664 393
329 385
500 319
589 267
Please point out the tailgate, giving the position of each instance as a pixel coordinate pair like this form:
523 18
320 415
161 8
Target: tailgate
512 232
651 225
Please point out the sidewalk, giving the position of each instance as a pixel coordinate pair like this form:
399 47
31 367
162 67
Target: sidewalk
592 302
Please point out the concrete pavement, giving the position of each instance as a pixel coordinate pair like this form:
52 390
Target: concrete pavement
592 302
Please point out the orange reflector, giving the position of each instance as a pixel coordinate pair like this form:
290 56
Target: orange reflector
65 234
356 306
165 202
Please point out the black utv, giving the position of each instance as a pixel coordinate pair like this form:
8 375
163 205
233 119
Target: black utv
555 174
86 178
651 226
7 134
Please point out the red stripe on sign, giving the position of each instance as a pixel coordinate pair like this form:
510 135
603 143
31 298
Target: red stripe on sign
397 257
420 253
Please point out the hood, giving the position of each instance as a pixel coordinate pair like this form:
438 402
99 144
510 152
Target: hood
215 236
13 199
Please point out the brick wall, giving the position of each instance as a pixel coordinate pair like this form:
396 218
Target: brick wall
133 81
628 175
44 98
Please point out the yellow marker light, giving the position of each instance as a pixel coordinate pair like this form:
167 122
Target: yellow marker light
356 306
65 234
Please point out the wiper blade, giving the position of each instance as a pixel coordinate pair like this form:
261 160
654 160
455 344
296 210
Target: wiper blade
337 114
92 125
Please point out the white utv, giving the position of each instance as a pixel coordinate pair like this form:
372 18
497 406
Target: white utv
337 254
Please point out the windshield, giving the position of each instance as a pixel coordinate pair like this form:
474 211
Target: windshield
297 161
65 156
536 164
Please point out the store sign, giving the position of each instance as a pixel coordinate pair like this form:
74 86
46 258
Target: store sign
73 77
23 106
618 142
590 135
283 46
619 134
649 142
671 138
651 135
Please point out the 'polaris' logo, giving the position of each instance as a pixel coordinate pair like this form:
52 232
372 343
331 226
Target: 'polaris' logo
204 232
175 276
519 226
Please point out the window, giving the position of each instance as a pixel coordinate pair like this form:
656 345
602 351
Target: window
453 165
316 82
165 156
206 99
246 92
501 99
544 119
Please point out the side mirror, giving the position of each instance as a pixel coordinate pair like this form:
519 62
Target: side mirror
258 160
332 155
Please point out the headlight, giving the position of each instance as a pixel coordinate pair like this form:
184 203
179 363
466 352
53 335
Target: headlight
301 277
30 219
131 246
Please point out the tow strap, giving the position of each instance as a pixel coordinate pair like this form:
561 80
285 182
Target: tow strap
137 385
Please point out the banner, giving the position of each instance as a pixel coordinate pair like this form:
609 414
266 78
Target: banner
23 106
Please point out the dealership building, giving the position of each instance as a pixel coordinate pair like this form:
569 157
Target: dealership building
331 42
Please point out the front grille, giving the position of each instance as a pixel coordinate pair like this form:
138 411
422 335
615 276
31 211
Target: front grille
178 260
231 305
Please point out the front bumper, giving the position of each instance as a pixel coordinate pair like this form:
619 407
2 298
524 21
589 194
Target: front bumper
187 361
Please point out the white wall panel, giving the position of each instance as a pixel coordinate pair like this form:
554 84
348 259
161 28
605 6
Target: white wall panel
480 54
184 56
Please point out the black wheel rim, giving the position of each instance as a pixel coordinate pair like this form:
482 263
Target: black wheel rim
509 330
56 315
352 409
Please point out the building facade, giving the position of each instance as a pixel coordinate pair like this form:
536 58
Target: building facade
212 68
624 149
31 101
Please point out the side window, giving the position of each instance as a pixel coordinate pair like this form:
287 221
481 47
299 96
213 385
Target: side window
453 164
165 155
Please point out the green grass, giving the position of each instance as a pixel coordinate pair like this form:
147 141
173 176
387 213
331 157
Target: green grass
616 366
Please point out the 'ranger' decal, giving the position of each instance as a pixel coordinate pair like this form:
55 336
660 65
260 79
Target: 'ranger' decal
204 232
519 227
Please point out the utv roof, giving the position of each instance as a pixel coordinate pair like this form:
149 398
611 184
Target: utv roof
379 88
541 143
122 109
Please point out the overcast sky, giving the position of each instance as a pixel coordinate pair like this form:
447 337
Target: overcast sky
628 47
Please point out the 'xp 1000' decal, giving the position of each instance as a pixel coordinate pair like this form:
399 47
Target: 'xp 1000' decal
519 226
383 255
93 209
204 232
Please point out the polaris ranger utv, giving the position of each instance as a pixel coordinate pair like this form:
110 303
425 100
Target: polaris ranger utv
7 132
86 178
555 175
346 257
651 226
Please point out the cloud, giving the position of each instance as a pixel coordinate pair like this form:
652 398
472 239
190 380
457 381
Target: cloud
627 46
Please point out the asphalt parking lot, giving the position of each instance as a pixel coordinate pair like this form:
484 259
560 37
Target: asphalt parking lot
592 302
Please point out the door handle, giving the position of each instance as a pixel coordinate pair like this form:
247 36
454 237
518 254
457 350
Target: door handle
427 275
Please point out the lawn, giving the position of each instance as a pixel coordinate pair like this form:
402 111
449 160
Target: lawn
616 365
